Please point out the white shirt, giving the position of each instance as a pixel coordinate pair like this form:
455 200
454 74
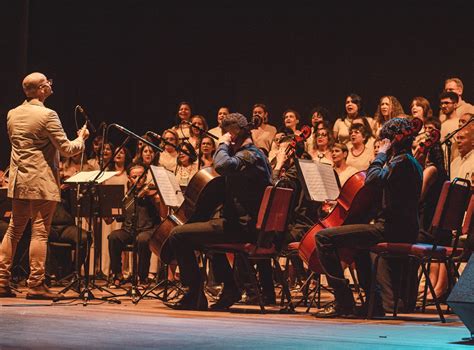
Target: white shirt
346 174
463 167
362 161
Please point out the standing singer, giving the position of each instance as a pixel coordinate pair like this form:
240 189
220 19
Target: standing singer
37 137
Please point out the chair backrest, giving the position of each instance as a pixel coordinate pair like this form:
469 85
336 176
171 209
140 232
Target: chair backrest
468 226
452 205
274 208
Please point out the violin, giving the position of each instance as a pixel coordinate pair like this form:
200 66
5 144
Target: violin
290 151
432 137
305 132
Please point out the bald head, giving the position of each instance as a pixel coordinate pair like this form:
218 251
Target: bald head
36 85
465 140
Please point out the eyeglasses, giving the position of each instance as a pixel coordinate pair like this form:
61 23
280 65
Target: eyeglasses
48 82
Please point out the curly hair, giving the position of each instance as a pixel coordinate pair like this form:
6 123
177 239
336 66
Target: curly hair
395 110
366 133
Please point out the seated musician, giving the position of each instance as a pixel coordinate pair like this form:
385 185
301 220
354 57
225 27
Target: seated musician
396 172
303 213
64 230
141 218
247 174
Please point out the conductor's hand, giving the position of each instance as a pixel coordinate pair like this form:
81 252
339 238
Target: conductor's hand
83 132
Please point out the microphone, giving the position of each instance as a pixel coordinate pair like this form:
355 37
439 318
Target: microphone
256 121
135 136
160 138
81 110
201 130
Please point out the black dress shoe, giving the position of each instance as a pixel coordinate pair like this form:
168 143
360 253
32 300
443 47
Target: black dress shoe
190 301
334 310
6 292
226 300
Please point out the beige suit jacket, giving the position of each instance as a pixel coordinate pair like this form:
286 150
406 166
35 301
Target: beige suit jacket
37 138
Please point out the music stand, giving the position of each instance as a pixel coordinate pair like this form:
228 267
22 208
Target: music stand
172 197
88 204
319 180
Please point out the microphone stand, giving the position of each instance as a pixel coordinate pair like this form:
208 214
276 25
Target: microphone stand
201 130
447 141
159 138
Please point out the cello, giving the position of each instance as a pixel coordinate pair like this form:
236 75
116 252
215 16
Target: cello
352 206
202 196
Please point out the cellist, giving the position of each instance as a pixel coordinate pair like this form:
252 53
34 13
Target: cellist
396 172
247 173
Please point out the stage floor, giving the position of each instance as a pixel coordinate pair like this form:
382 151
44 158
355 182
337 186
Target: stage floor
149 324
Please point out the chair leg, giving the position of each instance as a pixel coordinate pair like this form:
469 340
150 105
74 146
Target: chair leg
432 291
370 311
286 294
356 285
254 281
425 290
396 292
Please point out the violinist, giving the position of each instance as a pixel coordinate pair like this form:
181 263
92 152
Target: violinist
434 175
396 172
247 174
141 217
304 211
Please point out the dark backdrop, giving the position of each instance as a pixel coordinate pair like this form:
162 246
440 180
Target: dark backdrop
132 62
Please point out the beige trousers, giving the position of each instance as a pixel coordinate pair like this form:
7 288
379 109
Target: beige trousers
41 214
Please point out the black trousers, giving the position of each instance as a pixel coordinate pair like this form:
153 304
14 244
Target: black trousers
119 239
349 236
65 234
187 238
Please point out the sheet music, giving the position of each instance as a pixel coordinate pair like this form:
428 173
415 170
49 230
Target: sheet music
88 176
168 186
320 180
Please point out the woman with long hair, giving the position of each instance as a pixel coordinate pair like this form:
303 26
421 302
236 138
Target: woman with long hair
194 133
206 151
322 143
388 108
420 108
187 165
